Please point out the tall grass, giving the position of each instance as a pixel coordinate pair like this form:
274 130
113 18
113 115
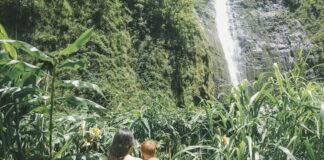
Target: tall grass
275 117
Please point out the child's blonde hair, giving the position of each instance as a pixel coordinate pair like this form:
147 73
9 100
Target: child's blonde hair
149 147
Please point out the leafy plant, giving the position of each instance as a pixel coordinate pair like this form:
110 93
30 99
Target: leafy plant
25 91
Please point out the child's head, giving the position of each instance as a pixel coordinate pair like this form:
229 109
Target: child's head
148 149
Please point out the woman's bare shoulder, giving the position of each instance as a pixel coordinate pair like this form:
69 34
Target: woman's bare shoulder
129 157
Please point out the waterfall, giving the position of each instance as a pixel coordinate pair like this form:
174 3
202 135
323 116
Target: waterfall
230 47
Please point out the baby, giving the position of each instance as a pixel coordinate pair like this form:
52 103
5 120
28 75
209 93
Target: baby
148 149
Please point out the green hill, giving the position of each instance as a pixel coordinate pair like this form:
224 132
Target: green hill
140 50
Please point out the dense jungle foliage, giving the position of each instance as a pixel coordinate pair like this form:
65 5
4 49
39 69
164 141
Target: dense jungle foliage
151 48
92 67
310 13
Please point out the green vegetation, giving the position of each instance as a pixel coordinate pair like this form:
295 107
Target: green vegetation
150 66
30 88
277 116
310 13
151 48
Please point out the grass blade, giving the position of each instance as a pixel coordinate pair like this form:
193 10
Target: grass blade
250 146
287 152
310 150
66 146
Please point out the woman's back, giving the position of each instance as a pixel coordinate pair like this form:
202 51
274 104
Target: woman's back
122 146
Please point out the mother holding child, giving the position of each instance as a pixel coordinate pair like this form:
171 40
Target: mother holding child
122 146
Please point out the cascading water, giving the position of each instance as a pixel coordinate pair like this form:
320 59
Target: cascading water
230 47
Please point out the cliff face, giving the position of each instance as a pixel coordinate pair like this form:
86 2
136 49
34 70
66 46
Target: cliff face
266 35
206 15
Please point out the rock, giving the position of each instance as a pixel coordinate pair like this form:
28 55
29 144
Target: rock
266 35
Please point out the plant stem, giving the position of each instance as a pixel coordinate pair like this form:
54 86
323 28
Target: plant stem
321 134
51 109
17 123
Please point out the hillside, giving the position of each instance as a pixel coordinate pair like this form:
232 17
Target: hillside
140 50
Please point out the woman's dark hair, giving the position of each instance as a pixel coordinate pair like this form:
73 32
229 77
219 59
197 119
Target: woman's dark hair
122 143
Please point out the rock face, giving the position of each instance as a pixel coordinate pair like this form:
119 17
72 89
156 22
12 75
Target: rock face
206 15
266 35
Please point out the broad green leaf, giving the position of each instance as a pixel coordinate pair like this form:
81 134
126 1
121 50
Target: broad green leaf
29 49
69 64
14 73
3 33
78 101
16 92
14 69
288 153
81 41
27 79
11 50
81 85
23 65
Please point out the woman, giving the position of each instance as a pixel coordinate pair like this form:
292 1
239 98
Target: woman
122 146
